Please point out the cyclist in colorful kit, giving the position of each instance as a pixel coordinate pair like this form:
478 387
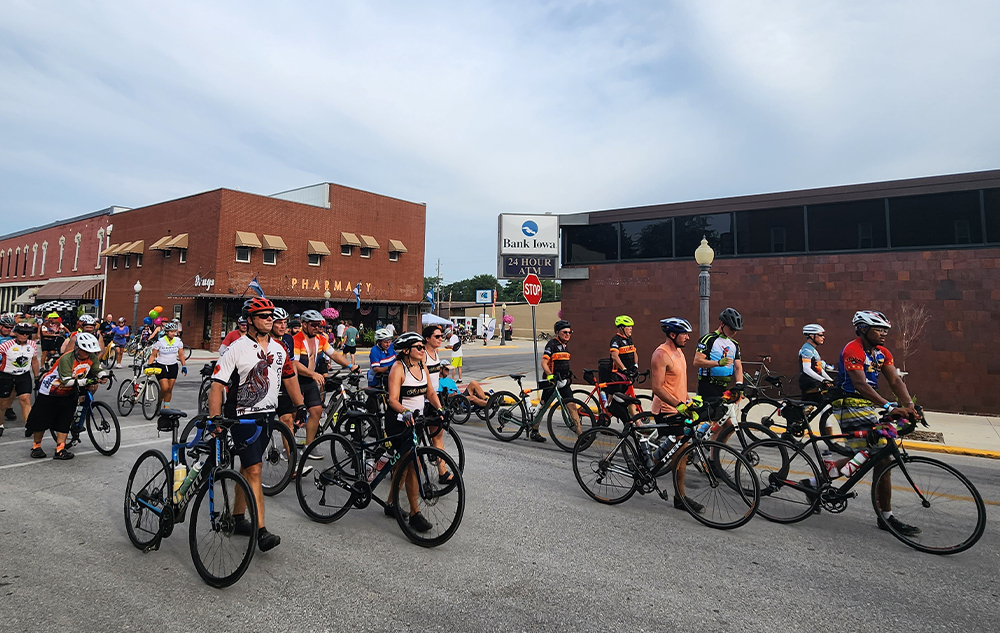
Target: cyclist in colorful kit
167 352
235 335
813 380
555 368
717 358
624 358
18 366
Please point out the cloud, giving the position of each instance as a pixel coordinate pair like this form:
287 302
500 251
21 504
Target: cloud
478 108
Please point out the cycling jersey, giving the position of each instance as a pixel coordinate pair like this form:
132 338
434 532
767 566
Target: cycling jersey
252 376
68 366
716 347
167 350
231 338
4 339
380 358
625 348
311 351
812 364
15 358
854 357
414 388
558 354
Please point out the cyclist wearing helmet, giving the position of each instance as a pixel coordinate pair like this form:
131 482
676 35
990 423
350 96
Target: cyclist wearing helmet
247 380
18 365
7 323
813 380
58 397
235 335
624 358
51 335
717 358
166 353
121 333
555 368
85 323
286 409
380 359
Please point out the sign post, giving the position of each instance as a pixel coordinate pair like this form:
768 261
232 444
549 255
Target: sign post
531 288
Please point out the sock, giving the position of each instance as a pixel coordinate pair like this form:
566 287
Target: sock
35 445
886 515
59 447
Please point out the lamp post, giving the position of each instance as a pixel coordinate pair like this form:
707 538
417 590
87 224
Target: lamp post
327 295
503 325
135 306
704 256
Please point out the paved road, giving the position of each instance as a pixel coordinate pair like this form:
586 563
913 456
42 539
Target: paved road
533 553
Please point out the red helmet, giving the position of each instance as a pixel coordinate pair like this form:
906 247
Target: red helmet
257 304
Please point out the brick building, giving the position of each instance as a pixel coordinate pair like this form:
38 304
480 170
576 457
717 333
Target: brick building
791 258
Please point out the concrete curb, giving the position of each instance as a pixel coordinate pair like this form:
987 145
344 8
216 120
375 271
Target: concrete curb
930 447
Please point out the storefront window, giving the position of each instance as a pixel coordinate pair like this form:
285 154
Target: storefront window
717 228
944 219
847 226
991 200
771 231
594 243
647 239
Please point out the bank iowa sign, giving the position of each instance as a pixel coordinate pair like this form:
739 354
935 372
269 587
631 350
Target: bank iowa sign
529 234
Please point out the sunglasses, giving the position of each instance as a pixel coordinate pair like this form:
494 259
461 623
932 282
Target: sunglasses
265 315
437 336
418 348
565 331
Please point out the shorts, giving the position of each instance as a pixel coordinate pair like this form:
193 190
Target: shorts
395 426
855 414
456 361
252 453
52 343
9 383
711 390
167 372
617 377
52 412
350 349
566 391
285 405
310 393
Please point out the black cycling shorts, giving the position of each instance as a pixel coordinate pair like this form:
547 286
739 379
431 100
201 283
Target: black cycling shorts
350 349
252 453
285 405
711 391
52 412
565 391
10 383
52 343
395 426
167 372
311 396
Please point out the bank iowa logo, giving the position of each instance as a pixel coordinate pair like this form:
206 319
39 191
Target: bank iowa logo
529 228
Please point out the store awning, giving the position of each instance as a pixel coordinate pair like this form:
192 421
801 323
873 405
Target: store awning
161 244
136 248
369 242
249 240
274 243
396 246
318 248
85 289
26 298
349 239
111 251
181 241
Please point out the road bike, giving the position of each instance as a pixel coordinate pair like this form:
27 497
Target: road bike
510 414
145 391
97 417
713 482
597 398
926 493
351 470
109 355
207 370
156 500
762 383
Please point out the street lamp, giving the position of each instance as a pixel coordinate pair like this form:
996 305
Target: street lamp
503 325
704 256
327 295
137 288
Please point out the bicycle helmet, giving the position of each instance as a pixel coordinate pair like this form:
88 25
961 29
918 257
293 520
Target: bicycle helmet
871 318
312 316
813 328
87 342
624 321
561 325
407 340
24 328
169 326
382 334
280 314
52 315
7 320
676 325
731 319
256 305
295 323
242 321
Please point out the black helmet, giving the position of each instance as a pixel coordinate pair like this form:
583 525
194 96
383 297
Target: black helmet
407 340
25 328
732 319
676 325
560 325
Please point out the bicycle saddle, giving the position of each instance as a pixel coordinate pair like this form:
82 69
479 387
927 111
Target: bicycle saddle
351 413
592 370
375 391
173 413
764 357
517 376
621 398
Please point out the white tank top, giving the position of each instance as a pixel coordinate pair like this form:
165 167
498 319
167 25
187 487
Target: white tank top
413 390
433 369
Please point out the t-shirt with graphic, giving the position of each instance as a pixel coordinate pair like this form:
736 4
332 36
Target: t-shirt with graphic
558 354
854 357
455 343
351 336
15 358
378 357
252 375
311 352
716 347
68 366
167 350
625 348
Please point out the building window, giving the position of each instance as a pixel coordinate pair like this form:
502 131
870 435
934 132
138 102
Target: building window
138 260
128 260
930 220
182 255
345 249
114 263
243 254
166 253
24 270
393 256
717 228
270 257
315 259
647 239
991 204
770 231
778 244
962 233
847 226
178 309
366 253
594 243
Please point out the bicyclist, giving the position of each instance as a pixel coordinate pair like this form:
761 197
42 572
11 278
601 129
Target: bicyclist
235 335
813 380
120 333
717 358
57 397
18 366
861 362
247 378
624 358
555 368
165 355
455 344
474 391
286 410
85 324
380 359
294 326
7 323
433 339
407 392
351 341
52 335
105 328
310 350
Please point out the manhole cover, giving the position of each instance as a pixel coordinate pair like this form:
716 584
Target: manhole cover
926 436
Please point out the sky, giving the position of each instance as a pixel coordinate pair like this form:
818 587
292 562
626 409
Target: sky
480 108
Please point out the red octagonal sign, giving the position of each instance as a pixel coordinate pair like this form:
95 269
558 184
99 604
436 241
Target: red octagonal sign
532 289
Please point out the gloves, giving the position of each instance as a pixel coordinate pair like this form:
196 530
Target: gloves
184 370
301 413
550 377
684 407
441 414
738 387
406 417
723 361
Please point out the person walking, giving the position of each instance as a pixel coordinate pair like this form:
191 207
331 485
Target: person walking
455 345
350 341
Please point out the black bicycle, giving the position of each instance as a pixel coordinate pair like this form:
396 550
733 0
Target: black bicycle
95 416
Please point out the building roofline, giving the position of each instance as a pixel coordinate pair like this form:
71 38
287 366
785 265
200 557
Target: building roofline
86 216
334 184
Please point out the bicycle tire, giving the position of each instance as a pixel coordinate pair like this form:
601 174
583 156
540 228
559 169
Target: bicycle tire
150 396
203 391
103 428
949 497
587 397
507 417
442 504
646 402
187 353
726 506
279 458
561 427
151 480
605 470
460 408
782 468
453 445
359 429
329 491
218 527
833 446
126 397
766 410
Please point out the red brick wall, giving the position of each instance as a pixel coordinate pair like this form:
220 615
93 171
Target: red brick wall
88 250
954 369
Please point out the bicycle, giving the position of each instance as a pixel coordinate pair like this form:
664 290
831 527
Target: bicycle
109 355
155 501
925 492
97 417
543 336
145 391
358 469
508 414
207 371
719 484
597 399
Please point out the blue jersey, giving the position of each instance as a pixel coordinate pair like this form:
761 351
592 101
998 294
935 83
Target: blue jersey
716 347
379 358
447 385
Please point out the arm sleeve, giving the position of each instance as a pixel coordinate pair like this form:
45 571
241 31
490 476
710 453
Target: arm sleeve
95 366
808 370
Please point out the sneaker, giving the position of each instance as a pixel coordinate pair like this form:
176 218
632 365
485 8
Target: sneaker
389 510
243 527
691 503
897 525
63 454
305 471
267 541
419 523
535 436
9 415
118 366
37 453
1 430
28 432
315 455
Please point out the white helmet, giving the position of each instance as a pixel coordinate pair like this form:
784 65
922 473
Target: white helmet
88 343
86 319
813 328
312 316
382 334
871 318
280 314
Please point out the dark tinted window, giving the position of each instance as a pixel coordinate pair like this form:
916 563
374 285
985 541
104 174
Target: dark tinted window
935 220
717 228
991 197
770 231
595 243
647 239
847 226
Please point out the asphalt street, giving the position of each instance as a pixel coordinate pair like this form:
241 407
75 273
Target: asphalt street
533 553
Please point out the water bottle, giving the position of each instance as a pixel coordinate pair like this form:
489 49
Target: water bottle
76 416
191 476
369 469
830 464
180 472
604 400
647 457
702 430
852 466
379 465
664 448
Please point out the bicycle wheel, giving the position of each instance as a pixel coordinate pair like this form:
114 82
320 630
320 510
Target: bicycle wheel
360 429
126 397
452 445
783 471
187 352
146 495
764 412
220 555
108 358
103 428
743 435
936 498
562 427
203 390
327 493
722 506
605 465
506 416
150 398
442 505
460 408
589 398
278 461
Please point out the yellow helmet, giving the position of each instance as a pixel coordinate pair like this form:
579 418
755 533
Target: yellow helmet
624 321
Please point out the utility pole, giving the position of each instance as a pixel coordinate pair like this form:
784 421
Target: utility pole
437 291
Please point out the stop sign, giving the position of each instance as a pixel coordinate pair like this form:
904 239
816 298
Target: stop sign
532 289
